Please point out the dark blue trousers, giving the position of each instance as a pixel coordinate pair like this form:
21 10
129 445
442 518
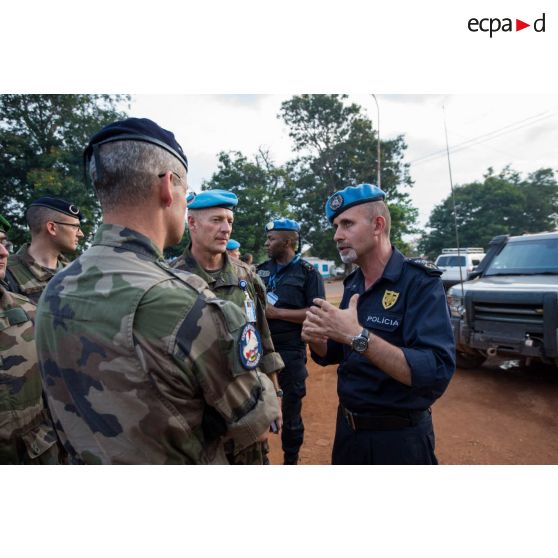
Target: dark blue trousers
413 445
292 380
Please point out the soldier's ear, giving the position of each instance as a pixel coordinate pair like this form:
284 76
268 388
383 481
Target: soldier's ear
50 227
165 190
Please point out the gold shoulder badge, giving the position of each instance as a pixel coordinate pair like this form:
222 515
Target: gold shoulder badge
390 298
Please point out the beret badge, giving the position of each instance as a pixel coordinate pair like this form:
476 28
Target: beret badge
336 202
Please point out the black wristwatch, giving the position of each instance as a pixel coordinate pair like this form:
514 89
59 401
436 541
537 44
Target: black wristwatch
359 343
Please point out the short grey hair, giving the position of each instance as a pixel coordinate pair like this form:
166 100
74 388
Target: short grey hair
129 170
38 216
380 209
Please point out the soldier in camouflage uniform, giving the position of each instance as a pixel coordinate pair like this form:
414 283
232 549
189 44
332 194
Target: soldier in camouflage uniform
210 218
142 363
26 433
55 229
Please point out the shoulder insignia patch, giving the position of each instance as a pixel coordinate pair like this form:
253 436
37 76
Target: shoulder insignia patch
250 347
307 265
425 265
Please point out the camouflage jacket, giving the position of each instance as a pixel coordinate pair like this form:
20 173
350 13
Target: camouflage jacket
227 287
25 276
26 433
143 364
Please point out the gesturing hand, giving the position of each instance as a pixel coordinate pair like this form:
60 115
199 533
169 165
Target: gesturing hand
326 321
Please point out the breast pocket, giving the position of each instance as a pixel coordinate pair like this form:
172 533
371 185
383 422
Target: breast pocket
291 292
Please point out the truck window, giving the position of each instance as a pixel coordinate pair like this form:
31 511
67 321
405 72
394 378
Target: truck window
526 258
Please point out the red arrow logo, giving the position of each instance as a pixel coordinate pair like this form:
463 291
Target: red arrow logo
519 25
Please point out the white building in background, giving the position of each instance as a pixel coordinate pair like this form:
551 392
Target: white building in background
325 267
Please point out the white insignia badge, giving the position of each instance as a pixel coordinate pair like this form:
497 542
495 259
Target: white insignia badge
250 347
73 209
269 226
389 299
336 202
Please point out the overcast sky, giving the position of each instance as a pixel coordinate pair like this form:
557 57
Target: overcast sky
519 130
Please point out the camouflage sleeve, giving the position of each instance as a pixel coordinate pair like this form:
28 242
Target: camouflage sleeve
26 433
207 346
271 360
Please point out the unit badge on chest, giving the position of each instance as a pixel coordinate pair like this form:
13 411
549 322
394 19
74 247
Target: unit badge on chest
389 299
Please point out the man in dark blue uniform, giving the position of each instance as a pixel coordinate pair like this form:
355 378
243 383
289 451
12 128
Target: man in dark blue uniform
391 336
291 284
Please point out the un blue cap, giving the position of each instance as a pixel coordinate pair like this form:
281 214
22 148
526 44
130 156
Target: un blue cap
351 196
282 225
58 204
212 198
233 244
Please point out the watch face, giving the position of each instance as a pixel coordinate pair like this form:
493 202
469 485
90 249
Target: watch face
360 344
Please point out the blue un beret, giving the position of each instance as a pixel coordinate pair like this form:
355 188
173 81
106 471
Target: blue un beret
58 204
136 129
212 198
233 244
282 225
351 196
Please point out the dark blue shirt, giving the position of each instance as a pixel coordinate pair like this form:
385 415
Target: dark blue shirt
407 307
296 285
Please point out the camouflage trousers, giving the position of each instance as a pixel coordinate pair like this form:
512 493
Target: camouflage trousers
256 454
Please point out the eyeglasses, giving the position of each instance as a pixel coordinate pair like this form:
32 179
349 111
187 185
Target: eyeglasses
76 226
7 244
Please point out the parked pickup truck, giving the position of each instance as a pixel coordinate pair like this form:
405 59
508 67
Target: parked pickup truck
509 307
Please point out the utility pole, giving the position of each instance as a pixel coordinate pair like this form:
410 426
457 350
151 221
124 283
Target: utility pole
378 157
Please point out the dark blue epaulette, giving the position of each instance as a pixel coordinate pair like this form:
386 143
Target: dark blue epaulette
426 265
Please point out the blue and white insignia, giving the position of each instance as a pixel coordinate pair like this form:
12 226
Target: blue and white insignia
264 272
269 226
336 202
242 284
250 347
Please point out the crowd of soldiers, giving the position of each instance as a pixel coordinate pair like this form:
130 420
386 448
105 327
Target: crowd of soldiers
122 358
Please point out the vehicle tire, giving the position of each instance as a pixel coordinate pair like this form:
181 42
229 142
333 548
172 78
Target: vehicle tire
469 360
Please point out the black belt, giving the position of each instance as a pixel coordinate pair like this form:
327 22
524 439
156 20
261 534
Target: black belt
387 419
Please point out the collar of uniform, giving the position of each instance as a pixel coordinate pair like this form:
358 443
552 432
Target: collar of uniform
225 278
394 268
126 239
38 271
392 272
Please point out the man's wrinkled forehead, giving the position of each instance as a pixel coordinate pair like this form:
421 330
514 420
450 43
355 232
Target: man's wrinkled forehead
211 212
353 214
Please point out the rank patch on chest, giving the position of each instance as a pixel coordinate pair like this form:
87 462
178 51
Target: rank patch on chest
389 299
250 347
264 273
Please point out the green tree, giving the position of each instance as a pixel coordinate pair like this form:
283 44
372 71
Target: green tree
338 147
262 195
500 204
41 145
